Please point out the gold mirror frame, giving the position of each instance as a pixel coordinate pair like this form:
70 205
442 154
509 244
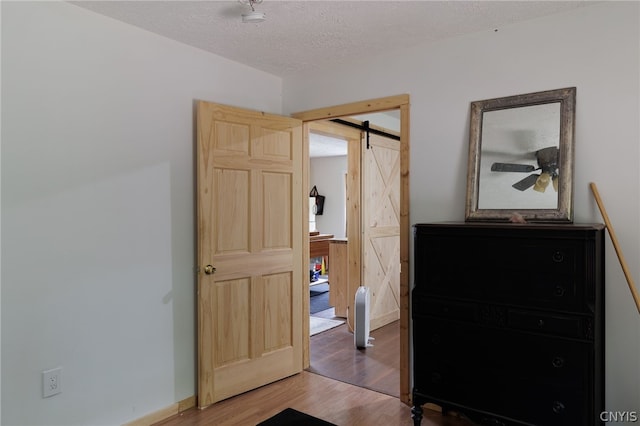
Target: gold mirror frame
476 210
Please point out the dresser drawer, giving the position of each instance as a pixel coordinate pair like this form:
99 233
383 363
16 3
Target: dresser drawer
516 374
549 323
503 316
535 405
515 270
455 351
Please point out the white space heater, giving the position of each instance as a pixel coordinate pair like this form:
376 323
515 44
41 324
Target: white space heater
361 318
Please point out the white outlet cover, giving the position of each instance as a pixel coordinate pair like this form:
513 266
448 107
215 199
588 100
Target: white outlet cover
51 382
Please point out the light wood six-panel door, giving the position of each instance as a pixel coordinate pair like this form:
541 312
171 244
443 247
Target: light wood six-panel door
250 250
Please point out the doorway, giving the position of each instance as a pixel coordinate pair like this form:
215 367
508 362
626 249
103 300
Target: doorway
330 173
401 103
374 155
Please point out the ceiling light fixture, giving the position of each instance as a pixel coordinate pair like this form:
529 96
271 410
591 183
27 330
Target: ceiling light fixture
252 17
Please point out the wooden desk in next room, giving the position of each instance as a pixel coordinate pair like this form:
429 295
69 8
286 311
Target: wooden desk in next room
319 246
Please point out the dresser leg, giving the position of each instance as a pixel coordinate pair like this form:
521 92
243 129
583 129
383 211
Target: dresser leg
416 414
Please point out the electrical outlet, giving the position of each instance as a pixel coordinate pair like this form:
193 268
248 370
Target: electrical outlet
51 382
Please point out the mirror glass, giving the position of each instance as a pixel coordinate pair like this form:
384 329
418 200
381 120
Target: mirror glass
521 157
511 141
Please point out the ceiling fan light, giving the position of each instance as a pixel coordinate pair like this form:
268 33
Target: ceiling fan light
542 182
253 17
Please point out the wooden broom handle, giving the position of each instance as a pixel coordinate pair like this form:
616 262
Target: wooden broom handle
614 240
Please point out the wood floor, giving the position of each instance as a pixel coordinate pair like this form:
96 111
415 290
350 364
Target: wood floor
334 355
337 401
334 401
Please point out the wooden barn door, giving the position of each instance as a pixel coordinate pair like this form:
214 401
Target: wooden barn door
250 250
381 228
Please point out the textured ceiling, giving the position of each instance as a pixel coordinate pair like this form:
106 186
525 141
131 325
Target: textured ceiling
299 36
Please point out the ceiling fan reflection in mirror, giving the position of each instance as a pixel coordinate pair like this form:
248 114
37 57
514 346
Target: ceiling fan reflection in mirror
252 17
547 159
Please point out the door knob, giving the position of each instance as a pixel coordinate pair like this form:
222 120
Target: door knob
209 269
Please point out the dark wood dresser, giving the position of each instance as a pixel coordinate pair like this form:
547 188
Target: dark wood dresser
508 322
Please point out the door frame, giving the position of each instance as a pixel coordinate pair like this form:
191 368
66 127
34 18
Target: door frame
400 102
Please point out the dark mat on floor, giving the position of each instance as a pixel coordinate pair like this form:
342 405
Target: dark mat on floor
293 417
319 302
318 289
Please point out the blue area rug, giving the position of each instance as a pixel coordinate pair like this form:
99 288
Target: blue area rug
319 298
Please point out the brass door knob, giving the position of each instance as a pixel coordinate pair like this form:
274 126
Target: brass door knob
209 269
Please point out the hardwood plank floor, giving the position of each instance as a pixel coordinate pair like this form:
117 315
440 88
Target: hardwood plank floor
334 355
334 401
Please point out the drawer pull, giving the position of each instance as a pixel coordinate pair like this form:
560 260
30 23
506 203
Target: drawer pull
558 407
435 339
558 362
562 325
559 291
558 257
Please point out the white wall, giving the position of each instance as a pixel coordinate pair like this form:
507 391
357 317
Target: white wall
327 174
596 49
97 183
97 174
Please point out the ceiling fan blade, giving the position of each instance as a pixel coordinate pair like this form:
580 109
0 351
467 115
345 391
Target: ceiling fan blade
510 167
526 183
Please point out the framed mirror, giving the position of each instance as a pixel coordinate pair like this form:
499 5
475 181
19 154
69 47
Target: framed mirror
521 158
